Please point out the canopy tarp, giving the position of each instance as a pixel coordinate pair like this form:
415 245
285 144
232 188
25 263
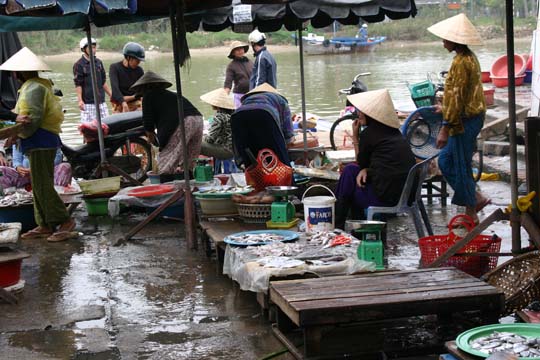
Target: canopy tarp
320 13
9 45
212 15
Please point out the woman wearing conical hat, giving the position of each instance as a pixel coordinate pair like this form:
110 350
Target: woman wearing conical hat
162 123
218 142
383 158
463 110
40 141
238 72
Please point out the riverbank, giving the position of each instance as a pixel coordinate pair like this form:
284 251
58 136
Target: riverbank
276 49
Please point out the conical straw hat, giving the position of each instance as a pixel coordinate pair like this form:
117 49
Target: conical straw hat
235 45
378 105
219 99
150 77
458 29
266 87
24 60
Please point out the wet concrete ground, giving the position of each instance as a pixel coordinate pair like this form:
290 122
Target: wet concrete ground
154 299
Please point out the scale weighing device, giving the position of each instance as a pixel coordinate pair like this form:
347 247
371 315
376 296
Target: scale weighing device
203 171
282 210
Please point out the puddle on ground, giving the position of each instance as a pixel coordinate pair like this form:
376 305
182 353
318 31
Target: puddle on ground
57 343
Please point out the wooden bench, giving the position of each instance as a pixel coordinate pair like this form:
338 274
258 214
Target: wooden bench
316 307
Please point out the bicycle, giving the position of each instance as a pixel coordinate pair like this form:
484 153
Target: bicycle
357 86
428 93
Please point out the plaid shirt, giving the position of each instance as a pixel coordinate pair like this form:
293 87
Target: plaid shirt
276 105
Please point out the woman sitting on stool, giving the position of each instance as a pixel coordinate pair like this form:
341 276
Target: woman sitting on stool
383 158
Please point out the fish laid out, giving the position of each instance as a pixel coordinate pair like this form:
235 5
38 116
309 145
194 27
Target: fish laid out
251 239
19 198
330 238
508 342
225 189
278 249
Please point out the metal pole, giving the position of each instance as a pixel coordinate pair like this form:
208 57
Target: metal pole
514 217
97 101
189 218
303 91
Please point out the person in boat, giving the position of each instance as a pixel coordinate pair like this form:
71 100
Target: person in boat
383 158
82 78
263 121
123 75
264 67
463 109
218 142
160 114
238 72
40 140
18 174
363 33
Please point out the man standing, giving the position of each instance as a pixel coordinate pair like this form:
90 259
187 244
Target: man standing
265 67
123 74
83 83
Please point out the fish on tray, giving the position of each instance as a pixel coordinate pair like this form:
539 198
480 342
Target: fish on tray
249 239
507 342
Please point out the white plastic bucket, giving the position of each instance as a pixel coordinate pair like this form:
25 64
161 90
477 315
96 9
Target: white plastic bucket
319 211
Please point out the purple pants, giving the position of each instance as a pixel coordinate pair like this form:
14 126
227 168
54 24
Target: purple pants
363 197
11 178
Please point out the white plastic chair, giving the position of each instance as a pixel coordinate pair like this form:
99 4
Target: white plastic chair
410 200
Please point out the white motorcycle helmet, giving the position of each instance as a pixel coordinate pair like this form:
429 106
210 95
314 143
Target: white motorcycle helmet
84 43
255 36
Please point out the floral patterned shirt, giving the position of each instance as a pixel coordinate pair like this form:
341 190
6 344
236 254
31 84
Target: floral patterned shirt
463 92
220 132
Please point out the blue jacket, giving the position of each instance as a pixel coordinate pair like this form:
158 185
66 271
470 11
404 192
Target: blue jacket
264 69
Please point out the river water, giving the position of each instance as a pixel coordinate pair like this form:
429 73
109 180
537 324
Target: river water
390 67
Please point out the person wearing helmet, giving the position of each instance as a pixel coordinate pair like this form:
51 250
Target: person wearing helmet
264 67
83 83
40 140
362 33
238 72
123 75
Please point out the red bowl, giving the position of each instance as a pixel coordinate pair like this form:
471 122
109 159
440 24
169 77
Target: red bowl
500 66
10 272
485 77
502 81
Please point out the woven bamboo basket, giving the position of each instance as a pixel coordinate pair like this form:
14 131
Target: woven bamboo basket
254 213
519 279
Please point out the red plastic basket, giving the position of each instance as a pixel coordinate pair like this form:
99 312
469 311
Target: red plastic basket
432 247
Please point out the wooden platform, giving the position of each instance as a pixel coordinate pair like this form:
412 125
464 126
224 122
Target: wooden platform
313 306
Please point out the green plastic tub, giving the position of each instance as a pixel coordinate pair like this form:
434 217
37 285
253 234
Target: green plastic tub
97 207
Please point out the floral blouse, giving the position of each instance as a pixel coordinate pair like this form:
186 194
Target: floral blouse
220 132
463 92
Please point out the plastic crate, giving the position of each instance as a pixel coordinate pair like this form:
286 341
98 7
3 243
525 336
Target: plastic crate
422 93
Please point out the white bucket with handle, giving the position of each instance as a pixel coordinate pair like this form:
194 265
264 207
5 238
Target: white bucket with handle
319 211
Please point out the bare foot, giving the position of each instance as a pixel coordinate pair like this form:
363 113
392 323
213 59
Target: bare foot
471 211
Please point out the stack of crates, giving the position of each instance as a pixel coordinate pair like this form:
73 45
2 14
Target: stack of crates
422 93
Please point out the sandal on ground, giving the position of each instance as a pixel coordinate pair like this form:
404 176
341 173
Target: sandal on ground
68 226
62 236
37 233
482 204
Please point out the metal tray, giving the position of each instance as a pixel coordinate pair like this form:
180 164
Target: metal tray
463 340
289 236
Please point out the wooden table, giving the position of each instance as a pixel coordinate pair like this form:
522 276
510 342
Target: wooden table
216 231
316 306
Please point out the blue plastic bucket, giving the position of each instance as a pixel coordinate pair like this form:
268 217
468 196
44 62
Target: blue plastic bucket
528 77
23 214
175 210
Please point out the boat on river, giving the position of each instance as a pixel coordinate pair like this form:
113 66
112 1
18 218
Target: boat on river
318 45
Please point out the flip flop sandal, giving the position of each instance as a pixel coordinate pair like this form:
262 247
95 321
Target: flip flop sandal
36 234
482 204
63 236
69 228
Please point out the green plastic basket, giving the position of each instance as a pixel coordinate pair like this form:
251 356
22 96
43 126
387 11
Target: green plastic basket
97 207
422 93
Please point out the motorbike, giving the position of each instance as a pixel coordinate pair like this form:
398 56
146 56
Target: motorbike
125 147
